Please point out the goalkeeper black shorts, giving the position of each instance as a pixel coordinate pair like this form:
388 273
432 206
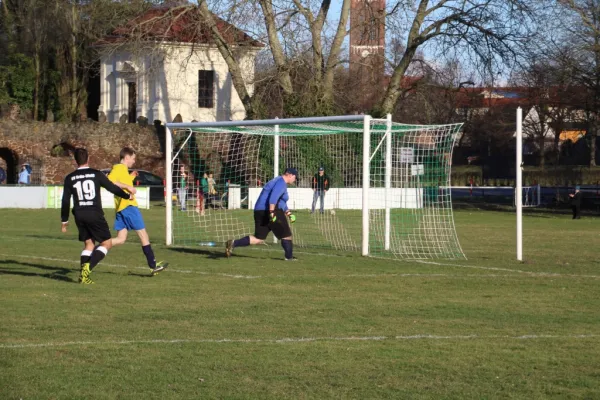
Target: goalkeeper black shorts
263 225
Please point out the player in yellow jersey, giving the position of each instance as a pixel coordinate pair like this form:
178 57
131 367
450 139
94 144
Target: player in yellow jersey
128 215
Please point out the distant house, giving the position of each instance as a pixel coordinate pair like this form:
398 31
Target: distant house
478 101
165 63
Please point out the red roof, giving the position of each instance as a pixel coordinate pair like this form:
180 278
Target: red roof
178 24
485 97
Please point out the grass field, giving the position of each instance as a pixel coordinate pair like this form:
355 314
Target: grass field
255 327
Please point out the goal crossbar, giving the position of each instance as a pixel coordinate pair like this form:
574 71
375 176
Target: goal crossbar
404 174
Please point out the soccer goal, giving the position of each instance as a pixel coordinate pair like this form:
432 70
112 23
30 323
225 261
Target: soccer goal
389 183
531 196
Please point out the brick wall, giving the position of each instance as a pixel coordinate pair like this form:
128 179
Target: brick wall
45 146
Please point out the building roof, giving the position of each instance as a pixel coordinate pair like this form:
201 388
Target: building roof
572 135
178 24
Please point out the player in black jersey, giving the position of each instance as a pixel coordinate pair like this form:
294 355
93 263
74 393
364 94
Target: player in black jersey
84 185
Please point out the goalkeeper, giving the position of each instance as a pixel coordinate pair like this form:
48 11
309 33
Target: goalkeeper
271 215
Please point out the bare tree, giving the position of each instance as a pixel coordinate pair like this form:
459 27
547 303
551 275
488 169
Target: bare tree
583 57
487 31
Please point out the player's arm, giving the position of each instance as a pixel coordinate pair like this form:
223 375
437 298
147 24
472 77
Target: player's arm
111 187
278 190
115 176
282 205
123 186
65 205
327 183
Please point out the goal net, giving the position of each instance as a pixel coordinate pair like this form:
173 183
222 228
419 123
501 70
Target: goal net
387 191
531 196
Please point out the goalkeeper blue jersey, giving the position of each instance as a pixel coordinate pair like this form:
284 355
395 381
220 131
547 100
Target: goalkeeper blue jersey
274 192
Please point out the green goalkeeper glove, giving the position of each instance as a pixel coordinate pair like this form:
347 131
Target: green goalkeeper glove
291 216
272 216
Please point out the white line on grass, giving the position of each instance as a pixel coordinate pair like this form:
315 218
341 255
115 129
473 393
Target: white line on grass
182 271
517 271
545 274
383 275
299 340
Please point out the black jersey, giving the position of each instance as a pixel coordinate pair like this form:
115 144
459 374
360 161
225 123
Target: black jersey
84 185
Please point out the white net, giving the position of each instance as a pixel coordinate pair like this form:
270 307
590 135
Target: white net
219 171
531 196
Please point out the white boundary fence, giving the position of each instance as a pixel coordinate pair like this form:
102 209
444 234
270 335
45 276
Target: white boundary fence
38 197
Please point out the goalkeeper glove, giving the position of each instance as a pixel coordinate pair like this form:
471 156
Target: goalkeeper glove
272 216
291 216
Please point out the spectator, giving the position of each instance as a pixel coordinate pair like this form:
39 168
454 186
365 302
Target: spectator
183 186
2 176
576 203
204 187
211 186
320 186
25 174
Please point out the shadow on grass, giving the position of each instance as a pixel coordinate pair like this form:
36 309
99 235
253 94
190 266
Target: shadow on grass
57 237
55 273
140 275
211 254
541 212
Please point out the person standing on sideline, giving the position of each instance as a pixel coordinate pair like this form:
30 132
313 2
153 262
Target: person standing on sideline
128 215
183 187
320 186
2 176
271 214
84 186
25 174
576 203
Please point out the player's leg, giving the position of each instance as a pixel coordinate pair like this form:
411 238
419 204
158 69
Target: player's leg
100 232
261 230
314 203
322 201
155 266
121 237
121 226
86 253
85 236
282 231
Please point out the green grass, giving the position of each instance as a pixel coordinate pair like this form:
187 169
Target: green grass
255 327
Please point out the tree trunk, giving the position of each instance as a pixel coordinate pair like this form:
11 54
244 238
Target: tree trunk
542 159
594 133
237 77
283 73
74 90
36 89
394 90
334 54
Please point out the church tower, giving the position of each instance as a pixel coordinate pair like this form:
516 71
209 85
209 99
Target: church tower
367 51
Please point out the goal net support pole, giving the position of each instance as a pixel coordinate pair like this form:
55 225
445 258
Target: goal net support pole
388 180
276 146
366 183
519 194
169 188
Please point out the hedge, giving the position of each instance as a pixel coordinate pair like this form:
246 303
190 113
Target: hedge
568 175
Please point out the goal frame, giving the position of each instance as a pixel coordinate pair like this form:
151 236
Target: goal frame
272 122
275 123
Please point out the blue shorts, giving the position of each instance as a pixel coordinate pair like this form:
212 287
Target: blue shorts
130 218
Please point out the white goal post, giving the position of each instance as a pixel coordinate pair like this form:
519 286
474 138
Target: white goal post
388 193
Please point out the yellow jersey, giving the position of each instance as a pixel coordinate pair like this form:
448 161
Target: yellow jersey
120 173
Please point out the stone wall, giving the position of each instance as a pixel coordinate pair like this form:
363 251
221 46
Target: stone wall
45 146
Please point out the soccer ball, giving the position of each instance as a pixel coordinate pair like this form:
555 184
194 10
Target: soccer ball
332 212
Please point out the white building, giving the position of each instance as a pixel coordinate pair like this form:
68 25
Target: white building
172 68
